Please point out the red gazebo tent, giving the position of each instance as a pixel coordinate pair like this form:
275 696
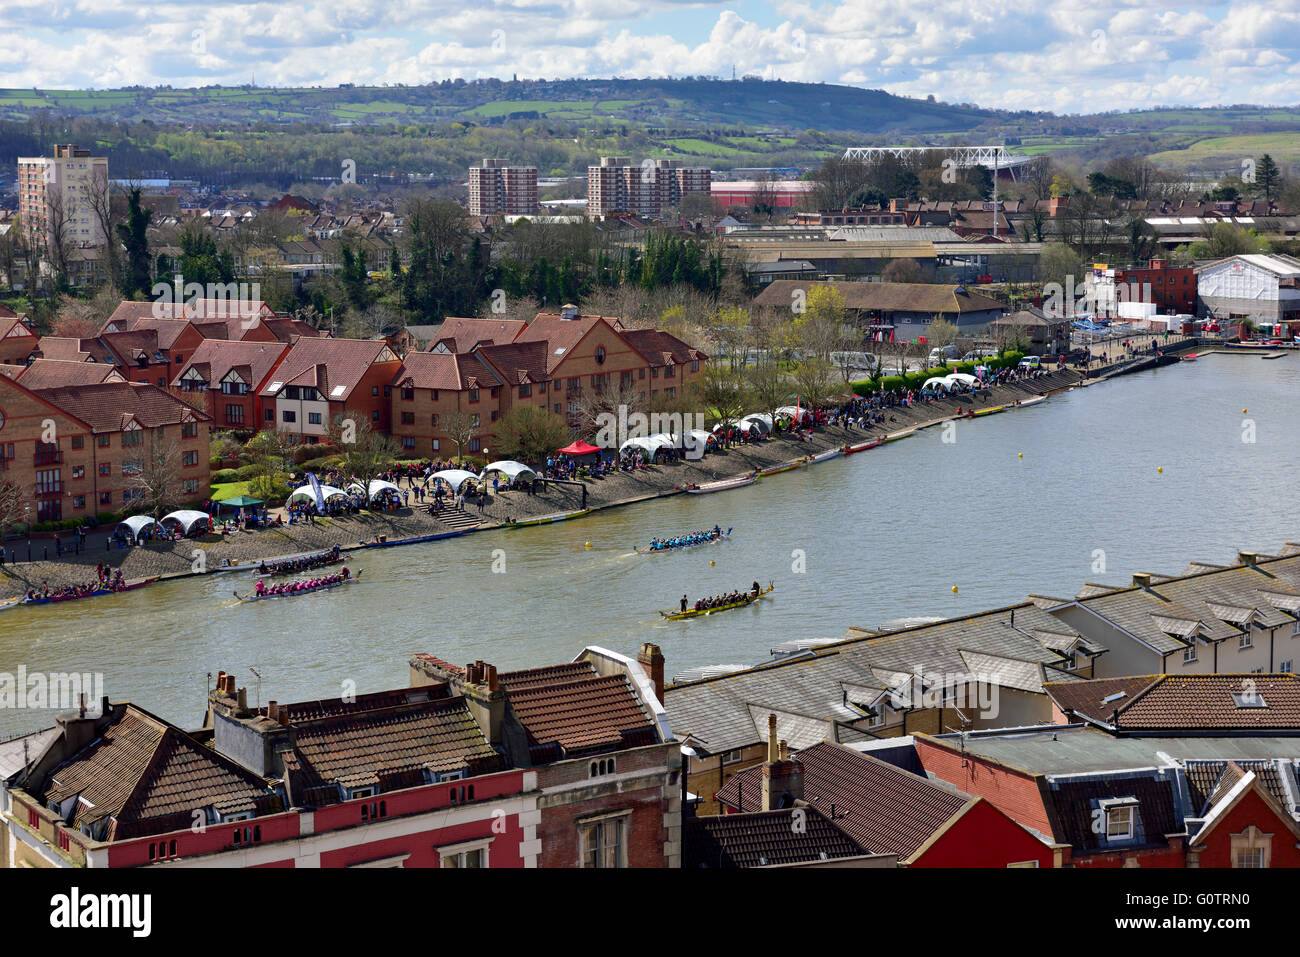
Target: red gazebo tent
579 448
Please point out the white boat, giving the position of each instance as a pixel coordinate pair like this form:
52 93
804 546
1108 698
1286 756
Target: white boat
722 486
823 456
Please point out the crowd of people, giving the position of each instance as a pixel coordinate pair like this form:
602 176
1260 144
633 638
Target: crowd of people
721 601
681 541
262 590
302 564
108 580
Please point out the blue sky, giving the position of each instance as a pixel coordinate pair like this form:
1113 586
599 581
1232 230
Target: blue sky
1059 55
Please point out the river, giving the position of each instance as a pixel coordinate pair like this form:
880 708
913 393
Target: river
880 535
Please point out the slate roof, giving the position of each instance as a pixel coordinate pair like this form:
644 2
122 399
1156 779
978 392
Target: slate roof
659 347
108 407
823 684
74 350
1071 802
517 362
148 776
167 331
570 709
764 839
1202 702
1206 780
883 808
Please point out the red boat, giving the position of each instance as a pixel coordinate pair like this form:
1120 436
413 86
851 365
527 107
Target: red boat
850 449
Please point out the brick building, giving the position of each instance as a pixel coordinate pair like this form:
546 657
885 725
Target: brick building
617 186
318 379
498 189
57 197
17 341
228 378
103 435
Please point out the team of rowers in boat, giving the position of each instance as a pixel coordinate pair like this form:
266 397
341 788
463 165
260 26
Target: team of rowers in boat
305 584
306 562
115 582
681 541
719 601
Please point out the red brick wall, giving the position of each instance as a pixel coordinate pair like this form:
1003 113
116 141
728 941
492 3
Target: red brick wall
1251 809
1012 792
985 837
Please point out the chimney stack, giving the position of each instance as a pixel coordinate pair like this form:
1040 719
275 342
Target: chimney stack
273 711
1142 578
772 755
652 660
782 778
1247 558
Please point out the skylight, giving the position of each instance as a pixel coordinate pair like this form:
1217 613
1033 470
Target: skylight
1114 697
1249 698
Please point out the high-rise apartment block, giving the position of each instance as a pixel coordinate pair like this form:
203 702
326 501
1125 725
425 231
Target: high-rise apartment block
497 188
57 197
618 186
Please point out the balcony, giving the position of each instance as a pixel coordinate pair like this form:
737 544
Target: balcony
49 490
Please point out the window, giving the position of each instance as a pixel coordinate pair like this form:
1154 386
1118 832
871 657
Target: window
408 418
695 367
641 373
190 458
495 415
189 430
270 415
79 442
78 471
408 395
79 501
1252 848
290 415
1286 666
374 415
190 486
234 415
473 395
132 437
1295 625
1024 864
473 420
433 420
601 767
1189 653
496 391
313 418
603 842
374 390
731 757
105 498
525 391
1119 823
103 441
465 855
475 445
436 445
105 468
1244 639
408 442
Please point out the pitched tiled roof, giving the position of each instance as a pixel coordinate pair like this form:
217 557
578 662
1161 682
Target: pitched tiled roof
1206 780
346 362
286 330
128 312
883 808
358 749
442 370
561 335
216 357
56 373
517 362
886 296
148 777
462 335
74 350
1218 702
659 347
167 330
577 711
764 839
110 405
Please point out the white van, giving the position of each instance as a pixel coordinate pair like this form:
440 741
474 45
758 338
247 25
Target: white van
943 354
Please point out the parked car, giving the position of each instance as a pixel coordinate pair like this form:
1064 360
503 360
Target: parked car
1031 362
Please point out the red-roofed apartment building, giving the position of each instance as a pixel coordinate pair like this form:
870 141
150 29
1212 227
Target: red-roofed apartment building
562 767
78 450
230 376
318 379
16 340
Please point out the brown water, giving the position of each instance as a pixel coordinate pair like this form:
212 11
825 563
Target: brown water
884 534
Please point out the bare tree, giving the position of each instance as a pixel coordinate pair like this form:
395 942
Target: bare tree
814 382
606 399
768 386
363 450
723 393
156 474
11 504
461 428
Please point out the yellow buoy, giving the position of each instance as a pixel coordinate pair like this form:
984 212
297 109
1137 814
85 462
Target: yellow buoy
1160 469
954 589
1022 455
711 564
587 545
1243 411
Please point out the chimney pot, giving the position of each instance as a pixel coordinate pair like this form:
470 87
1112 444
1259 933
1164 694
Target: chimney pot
273 711
771 739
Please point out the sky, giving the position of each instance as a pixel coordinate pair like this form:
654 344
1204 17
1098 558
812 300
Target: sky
1066 56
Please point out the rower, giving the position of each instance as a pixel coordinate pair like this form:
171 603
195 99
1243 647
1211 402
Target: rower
754 588
683 603
345 573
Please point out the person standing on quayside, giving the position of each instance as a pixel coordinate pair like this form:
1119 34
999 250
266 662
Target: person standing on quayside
683 603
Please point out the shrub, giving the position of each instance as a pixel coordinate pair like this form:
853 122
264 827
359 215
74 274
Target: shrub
303 453
223 476
244 473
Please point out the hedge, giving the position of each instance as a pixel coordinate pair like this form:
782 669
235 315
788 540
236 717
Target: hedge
222 476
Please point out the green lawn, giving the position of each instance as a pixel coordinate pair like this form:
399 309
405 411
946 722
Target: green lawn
1231 150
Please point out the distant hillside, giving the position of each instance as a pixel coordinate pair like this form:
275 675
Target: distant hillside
752 102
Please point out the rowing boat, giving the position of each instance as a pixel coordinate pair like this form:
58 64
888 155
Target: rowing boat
778 469
11 603
286 566
990 411
694 613
547 519
862 447
97 593
647 550
252 596
417 539
1030 401
894 437
822 456
723 485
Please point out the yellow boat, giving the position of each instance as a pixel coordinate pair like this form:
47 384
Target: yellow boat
749 599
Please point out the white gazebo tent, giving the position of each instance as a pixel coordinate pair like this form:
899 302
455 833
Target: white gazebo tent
804 413
760 419
513 471
186 519
308 493
455 478
964 378
134 527
650 444
695 443
378 487
942 382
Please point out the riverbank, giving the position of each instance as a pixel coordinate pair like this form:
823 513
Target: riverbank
191 557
